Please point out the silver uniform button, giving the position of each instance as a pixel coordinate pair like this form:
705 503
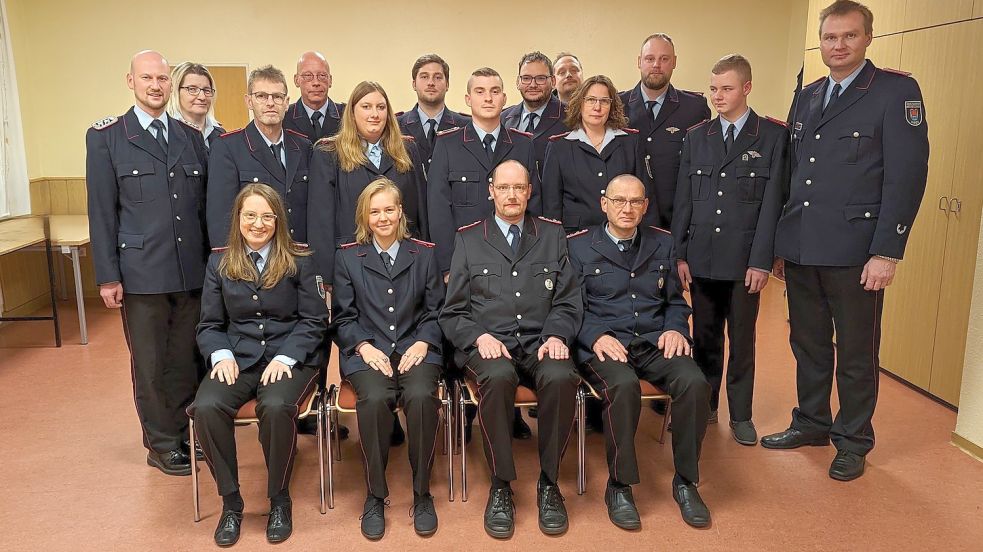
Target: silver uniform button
178 217
122 246
289 210
633 296
752 175
255 179
262 343
136 171
600 174
867 214
179 239
817 137
723 175
485 271
717 229
517 294
518 317
255 297
392 345
698 171
391 327
805 203
632 274
171 175
392 309
662 267
603 190
514 273
545 269
259 314
812 159
261 326
389 291
636 315
720 192
305 178
597 271
464 179
175 196
718 211
856 135
649 139
808 182
194 173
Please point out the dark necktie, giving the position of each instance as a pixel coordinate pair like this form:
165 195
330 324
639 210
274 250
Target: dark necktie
432 131
833 97
514 232
531 122
487 141
649 106
387 260
316 121
276 148
729 139
160 134
624 245
256 257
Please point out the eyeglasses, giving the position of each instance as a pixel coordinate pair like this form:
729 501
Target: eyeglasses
194 91
538 79
603 102
308 77
263 97
620 202
517 188
249 217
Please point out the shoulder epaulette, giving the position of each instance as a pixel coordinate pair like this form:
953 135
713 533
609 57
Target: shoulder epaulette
817 81
190 124
409 138
522 132
701 123
466 226
693 92
896 71
578 233
660 229
777 121
105 122
231 132
347 245
556 137
325 140
301 245
296 133
219 249
554 221
448 131
630 130
463 114
427 244
400 114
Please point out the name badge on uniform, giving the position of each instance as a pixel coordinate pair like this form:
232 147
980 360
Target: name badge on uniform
913 112
320 286
549 284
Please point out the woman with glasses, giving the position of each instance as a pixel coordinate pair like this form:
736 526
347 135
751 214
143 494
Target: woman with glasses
580 163
193 98
388 291
263 319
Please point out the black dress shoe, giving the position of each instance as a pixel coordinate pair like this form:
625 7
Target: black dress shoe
229 524
424 515
398 437
280 525
520 429
659 407
744 432
174 462
552 512
691 505
500 513
307 426
533 412
847 466
621 507
186 448
793 438
373 518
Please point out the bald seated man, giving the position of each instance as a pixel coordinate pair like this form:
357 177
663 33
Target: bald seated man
636 326
315 115
145 174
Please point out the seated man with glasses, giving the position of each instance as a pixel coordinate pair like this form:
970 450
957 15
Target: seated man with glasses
580 163
636 325
540 113
315 115
262 151
512 311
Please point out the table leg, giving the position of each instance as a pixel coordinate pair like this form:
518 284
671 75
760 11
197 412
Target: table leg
60 274
79 299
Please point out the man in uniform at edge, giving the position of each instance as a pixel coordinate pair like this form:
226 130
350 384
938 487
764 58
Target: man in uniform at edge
146 179
859 168
315 115
636 325
513 324
662 114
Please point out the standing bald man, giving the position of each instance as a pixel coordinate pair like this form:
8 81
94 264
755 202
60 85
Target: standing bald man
315 115
145 174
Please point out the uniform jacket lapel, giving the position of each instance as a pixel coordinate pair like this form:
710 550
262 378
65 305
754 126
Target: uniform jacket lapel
857 90
529 237
473 145
140 137
670 105
744 140
263 154
647 247
293 152
495 238
552 113
371 260
601 243
513 118
502 146
716 139
177 141
408 252
302 121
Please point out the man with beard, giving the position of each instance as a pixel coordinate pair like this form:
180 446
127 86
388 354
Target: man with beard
661 113
431 79
539 114
569 74
315 115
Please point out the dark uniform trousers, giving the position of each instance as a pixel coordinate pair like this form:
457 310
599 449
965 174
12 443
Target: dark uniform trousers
378 396
617 383
859 168
147 226
277 406
555 383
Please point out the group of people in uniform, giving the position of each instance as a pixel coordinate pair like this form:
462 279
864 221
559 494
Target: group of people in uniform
238 258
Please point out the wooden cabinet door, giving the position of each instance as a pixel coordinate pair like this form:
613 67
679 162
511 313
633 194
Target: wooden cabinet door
230 103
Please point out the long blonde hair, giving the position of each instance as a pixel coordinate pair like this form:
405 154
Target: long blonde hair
348 144
363 234
280 263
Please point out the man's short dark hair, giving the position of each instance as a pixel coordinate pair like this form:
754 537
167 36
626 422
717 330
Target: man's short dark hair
483 72
431 58
267 73
533 57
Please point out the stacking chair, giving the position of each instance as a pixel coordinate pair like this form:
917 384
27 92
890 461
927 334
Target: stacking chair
649 393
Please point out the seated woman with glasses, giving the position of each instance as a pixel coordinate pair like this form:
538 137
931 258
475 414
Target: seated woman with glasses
388 291
580 163
263 319
192 97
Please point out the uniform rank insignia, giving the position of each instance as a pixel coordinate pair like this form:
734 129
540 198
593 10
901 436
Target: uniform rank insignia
103 123
549 284
662 282
320 286
913 112
672 130
744 157
902 229
753 154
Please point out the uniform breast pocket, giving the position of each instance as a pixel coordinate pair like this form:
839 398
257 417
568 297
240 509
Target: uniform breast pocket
699 178
751 183
465 188
855 143
193 173
249 177
299 185
598 279
486 280
544 278
862 214
136 182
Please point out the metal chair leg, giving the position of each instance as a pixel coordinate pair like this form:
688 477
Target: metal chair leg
461 443
194 467
320 449
581 442
448 407
329 420
337 433
665 422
